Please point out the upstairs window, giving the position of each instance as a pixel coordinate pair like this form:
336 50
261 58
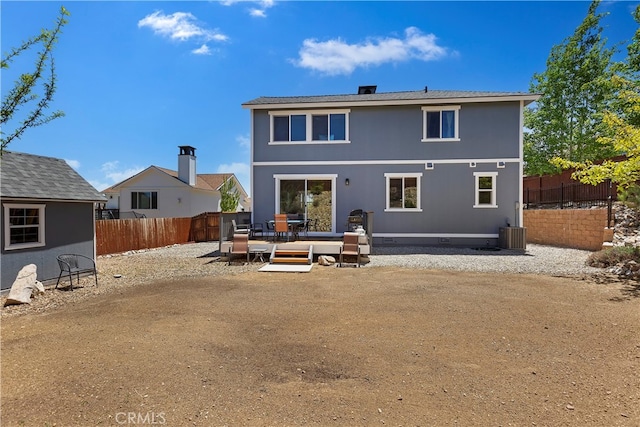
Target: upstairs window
440 123
309 127
24 226
290 128
328 127
144 200
485 189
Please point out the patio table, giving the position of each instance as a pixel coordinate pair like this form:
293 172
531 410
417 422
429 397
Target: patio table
293 225
258 254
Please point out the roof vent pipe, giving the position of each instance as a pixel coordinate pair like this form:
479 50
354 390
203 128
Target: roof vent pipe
426 89
367 90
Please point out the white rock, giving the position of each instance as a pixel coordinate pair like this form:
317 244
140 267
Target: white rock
24 285
326 260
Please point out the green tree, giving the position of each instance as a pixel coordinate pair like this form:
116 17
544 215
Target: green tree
621 126
574 90
25 90
229 195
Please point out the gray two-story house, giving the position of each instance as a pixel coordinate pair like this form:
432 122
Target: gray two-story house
430 167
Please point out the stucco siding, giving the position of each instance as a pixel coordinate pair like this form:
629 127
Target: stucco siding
485 130
175 199
69 228
389 140
447 196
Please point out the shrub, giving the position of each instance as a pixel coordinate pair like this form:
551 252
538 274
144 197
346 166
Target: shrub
612 256
630 196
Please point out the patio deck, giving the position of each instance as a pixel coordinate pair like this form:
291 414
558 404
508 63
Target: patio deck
320 247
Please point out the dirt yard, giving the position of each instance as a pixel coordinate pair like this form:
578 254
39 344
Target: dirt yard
370 346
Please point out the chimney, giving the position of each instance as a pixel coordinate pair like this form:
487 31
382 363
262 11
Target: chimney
187 164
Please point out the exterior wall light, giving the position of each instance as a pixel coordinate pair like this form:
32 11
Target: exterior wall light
346 181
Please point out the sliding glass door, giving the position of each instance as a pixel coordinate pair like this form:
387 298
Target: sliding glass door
309 197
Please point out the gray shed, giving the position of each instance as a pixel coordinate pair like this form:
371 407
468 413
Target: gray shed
47 210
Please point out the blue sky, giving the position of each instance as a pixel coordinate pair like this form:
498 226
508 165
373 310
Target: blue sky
138 79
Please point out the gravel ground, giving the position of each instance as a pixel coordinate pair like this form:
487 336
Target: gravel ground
116 272
537 259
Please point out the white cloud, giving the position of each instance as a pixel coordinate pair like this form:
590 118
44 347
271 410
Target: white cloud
73 163
180 26
260 11
202 50
100 186
335 56
241 171
114 174
243 141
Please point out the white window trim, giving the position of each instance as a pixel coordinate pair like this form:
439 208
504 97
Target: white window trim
388 177
333 177
7 228
456 110
477 176
309 126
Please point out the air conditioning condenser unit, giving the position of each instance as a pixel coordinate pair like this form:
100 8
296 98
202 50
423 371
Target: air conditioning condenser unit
513 238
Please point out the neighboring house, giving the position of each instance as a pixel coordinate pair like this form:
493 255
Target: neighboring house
47 210
434 167
163 193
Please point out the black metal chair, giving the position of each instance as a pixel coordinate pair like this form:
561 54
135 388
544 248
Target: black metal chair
240 228
257 230
303 228
270 229
75 264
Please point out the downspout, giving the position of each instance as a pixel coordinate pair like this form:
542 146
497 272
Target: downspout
519 214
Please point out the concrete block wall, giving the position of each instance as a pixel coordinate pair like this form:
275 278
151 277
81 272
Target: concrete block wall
572 228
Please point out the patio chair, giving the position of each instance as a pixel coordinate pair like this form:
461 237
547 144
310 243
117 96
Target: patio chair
303 228
350 247
281 226
269 229
256 230
239 246
75 264
240 228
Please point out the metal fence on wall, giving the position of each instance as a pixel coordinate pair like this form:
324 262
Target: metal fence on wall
572 196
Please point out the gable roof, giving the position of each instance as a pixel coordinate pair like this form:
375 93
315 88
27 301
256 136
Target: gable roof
207 181
28 176
389 98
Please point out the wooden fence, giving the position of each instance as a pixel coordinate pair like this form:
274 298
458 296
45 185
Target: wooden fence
121 235
205 227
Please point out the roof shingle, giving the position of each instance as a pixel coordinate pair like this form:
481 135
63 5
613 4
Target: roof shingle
419 95
28 176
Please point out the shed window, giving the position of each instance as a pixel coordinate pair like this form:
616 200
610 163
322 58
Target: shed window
24 226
